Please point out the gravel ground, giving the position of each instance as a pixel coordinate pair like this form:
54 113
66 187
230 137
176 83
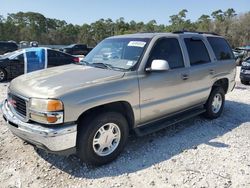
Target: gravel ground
195 153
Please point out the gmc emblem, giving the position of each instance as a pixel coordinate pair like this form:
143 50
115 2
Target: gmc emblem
12 102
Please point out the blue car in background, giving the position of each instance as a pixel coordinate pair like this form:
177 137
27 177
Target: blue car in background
31 59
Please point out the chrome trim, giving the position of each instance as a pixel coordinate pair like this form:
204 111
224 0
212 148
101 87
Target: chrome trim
59 115
20 116
53 138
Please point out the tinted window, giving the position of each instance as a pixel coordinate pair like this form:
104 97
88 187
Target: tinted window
63 55
20 58
13 45
168 49
52 53
197 51
221 48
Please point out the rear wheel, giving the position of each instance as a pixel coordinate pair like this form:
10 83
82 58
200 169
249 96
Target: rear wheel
215 103
3 75
101 140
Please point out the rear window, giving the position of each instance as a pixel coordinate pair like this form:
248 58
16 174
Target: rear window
221 48
197 51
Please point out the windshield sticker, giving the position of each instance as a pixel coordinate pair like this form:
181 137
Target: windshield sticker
130 63
140 44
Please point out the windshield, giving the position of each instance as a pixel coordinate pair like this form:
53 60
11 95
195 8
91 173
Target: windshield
117 53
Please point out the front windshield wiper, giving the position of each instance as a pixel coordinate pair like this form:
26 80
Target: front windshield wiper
109 66
103 65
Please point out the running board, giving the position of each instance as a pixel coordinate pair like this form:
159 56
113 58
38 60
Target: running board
168 121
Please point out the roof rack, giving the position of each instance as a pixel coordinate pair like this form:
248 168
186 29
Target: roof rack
198 32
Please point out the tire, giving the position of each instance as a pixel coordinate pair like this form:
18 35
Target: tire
244 82
3 75
87 149
214 110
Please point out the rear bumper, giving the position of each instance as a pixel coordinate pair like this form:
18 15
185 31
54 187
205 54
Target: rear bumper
55 139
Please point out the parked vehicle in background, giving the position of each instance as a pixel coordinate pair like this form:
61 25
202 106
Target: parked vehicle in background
241 53
77 49
245 72
24 44
6 47
33 44
27 60
139 82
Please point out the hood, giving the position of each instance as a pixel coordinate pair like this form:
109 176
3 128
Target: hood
54 82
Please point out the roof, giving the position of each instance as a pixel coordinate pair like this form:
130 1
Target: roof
151 35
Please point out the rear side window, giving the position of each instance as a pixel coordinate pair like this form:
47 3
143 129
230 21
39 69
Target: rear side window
52 54
197 51
221 48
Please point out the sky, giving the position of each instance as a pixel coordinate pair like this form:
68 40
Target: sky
82 11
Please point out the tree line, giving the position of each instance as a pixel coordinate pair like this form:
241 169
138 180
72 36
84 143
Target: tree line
32 26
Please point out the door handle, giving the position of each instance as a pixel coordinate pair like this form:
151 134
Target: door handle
212 71
184 76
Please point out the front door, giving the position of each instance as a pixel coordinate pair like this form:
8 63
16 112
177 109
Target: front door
164 92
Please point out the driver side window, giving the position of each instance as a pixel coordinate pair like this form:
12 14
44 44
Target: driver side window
167 49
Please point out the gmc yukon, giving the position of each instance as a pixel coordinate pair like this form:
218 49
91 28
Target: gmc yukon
140 82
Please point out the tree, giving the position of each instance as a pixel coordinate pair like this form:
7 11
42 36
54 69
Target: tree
204 23
179 22
34 26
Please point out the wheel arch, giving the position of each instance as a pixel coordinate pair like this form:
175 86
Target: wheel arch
122 107
223 82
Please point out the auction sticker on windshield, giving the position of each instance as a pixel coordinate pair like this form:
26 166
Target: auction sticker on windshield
137 44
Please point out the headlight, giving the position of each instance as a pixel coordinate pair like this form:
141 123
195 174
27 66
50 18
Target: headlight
47 111
245 64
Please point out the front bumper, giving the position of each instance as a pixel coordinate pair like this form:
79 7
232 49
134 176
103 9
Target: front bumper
53 139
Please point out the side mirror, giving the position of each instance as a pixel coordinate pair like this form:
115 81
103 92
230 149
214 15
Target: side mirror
158 65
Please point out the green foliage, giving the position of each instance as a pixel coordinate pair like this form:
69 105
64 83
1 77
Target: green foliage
32 26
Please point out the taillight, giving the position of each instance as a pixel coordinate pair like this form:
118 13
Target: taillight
76 59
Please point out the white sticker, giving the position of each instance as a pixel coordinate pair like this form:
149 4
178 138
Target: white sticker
130 63
137 43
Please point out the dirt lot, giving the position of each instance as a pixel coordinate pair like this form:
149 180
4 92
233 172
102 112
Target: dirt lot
195 153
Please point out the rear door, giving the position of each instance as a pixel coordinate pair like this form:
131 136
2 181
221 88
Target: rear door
164 92
56 58
224 58
65 59
53 58
201 70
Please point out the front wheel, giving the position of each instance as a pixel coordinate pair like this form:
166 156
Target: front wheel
101 140
215 103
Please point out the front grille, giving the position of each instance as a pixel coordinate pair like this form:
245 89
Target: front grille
18 104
